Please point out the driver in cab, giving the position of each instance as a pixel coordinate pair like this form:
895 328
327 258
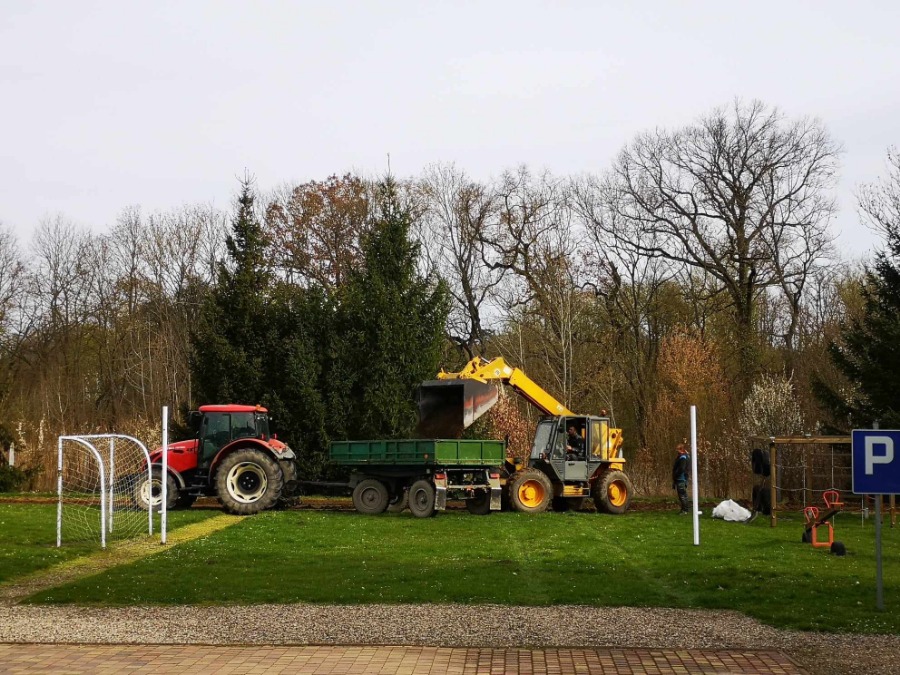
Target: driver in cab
574 445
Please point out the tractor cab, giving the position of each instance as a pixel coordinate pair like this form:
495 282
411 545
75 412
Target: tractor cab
219 425
570 448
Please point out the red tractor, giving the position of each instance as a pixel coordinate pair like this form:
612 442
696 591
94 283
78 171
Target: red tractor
233 457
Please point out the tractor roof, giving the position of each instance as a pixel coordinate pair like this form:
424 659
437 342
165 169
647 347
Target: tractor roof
232 407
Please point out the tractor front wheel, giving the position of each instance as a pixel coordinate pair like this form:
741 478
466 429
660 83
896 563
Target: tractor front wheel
530 491
148 492
248 481
370 496
612 492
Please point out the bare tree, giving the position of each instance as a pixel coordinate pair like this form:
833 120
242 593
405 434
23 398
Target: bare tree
743 195
455 212
315 228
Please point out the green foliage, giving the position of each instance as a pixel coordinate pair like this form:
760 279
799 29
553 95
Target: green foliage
12 478
389 329
642 559
337 364
867 352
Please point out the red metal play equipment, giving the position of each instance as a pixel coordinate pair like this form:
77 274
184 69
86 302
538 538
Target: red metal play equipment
834 505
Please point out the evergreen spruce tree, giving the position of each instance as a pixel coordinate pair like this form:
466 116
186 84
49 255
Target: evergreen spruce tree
867 353
228 343
390 331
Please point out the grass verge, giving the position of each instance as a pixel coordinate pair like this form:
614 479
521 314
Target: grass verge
641 559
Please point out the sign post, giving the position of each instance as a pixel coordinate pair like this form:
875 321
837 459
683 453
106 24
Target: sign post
876 471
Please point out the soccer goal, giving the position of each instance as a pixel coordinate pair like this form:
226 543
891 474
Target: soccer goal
99 480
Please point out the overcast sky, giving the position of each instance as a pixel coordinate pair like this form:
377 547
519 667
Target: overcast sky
109 104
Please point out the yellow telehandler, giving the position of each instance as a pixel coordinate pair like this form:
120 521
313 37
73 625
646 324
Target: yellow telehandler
573 456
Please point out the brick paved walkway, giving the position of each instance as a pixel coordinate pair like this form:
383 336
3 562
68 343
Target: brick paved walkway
198 660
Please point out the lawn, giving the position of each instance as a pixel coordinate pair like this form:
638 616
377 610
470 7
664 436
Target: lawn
640 559
28 537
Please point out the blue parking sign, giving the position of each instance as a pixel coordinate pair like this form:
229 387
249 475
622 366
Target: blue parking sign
876 461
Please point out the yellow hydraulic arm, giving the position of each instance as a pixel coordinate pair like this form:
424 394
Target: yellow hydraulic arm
498 369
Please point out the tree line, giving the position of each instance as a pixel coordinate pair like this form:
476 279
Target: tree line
698 268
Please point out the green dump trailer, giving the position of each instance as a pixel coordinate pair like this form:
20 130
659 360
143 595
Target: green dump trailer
422 474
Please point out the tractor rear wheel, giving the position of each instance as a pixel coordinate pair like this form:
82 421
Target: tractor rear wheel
421 499
612 492
479 504
530 491
248 481
398 501
370 496
148 492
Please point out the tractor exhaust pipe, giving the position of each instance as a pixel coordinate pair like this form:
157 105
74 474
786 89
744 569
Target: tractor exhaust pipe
447 407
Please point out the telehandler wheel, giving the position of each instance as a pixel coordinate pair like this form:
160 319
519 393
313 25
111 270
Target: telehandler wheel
370 496
148 492
398 501
479 504
421 499
530 491
612 492
248 481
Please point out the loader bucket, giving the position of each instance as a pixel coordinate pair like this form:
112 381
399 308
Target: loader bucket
446 407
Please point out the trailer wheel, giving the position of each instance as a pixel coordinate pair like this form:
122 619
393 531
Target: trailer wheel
612 492
148 493
530 491
421 499
370 496
398 501
248 481
479 504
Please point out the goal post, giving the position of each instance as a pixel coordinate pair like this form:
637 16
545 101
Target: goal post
87 480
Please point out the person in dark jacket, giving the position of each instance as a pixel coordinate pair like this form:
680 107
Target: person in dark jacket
680 471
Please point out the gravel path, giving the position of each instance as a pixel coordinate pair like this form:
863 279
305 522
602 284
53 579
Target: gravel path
447 625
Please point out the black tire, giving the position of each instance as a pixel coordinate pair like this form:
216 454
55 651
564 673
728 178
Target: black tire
479 504
248 481
398 501
530 491
185 501
370 496
148 493
421 499
612 492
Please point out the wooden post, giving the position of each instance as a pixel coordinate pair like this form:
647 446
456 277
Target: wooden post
773 479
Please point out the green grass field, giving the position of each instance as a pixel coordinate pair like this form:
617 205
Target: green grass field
28 537
641 559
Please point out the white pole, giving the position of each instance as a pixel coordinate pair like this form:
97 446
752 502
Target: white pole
694 490
59 468
112 479
12 454
165 472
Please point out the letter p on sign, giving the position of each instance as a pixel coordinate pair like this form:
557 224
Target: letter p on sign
872 459
876 467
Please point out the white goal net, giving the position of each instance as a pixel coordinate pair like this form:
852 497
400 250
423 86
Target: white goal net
99 489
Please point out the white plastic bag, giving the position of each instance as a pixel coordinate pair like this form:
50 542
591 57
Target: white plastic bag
732 511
